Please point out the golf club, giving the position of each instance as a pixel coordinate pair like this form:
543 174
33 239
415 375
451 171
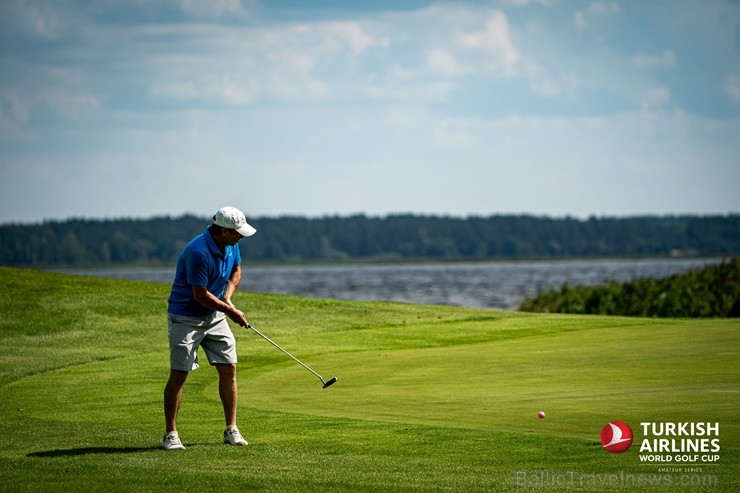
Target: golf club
327 383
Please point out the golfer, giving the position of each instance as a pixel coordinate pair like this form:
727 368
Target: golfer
207 275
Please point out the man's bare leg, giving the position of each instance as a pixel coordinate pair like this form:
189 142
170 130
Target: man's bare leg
227 390
173 398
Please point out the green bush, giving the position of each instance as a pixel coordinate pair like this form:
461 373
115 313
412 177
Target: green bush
712 291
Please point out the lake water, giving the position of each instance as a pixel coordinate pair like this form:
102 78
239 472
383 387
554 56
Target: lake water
501 285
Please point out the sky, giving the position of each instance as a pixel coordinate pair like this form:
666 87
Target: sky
141 108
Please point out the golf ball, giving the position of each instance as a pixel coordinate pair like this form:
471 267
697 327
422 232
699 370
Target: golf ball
541 414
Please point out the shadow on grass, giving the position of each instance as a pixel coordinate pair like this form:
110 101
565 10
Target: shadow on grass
92 450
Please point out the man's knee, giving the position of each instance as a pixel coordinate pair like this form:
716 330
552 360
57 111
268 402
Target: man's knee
178 377
226 370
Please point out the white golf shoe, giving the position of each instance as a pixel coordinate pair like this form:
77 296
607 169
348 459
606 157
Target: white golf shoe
232 436
171 441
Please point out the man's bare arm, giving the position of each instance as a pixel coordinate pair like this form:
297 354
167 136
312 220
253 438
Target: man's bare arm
233 284
207 299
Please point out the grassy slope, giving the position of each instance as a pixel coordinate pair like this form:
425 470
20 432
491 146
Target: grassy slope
429 398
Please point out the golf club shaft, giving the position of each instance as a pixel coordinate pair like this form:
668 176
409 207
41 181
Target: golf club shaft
284 351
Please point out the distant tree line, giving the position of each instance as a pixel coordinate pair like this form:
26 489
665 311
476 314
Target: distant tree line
712 291
158 241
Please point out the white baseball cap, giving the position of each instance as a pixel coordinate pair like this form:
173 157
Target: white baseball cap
232 218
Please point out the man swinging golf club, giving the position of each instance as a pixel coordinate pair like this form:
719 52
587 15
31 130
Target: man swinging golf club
207 275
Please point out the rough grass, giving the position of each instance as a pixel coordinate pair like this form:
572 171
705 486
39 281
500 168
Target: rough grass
428 399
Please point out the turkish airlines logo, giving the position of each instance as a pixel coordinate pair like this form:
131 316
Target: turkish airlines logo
616 437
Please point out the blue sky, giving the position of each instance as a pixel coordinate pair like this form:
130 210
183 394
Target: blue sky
112 108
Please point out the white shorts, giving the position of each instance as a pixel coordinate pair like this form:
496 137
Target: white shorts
187 334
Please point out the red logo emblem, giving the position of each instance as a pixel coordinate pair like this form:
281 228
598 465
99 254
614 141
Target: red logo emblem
616 437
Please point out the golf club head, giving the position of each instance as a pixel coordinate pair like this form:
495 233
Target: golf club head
332 381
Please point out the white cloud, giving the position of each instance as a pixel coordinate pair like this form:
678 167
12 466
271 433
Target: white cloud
558 86
354 35
525 3
38 19
229 90
454 134
183 91
442 62
63 92
644 61
656 97
253 64
304 62
71 104
412 93
595 10
243 65
495 38
14 105
213 9
732 88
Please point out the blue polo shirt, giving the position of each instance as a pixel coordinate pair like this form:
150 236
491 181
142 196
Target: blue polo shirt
201 263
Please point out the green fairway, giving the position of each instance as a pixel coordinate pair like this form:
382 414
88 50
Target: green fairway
429 398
